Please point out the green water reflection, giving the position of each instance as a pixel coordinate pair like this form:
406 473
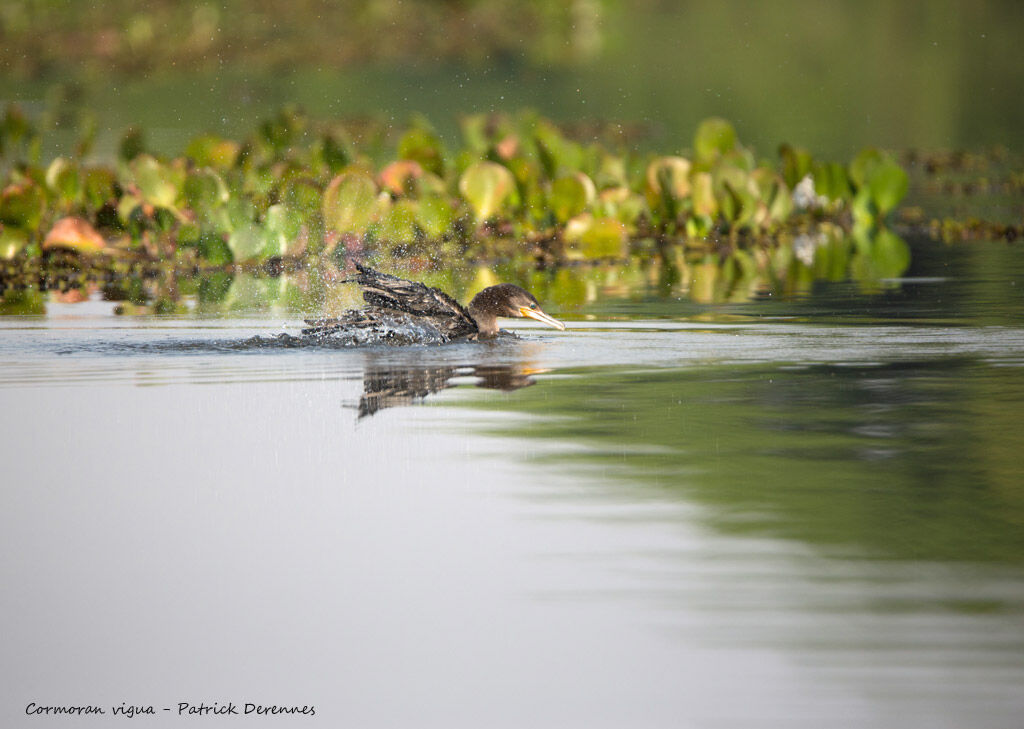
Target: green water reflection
909 461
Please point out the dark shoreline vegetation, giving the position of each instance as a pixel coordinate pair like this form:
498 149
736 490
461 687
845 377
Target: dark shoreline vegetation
300 196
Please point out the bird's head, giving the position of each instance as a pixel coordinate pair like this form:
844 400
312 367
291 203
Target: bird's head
511 301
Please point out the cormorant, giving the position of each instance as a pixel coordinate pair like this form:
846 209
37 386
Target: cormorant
407 312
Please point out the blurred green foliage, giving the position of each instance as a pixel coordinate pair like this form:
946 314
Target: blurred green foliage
296 187
120 35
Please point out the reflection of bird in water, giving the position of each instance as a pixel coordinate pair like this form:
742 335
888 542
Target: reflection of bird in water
387 387
406 312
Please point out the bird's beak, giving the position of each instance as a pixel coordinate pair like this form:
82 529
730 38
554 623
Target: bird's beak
541 316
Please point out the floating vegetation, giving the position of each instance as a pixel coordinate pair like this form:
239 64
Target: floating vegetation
300 194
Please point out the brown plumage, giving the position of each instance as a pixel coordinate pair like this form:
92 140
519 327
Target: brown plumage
399 311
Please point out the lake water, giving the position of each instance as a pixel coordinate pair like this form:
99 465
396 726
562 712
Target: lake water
794 514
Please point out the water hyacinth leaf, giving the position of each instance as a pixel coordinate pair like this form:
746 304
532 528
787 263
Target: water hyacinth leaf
99 184
282 226
434 215
74 234
863 210
159 184
668 182
12 242
214 250
205 192
400 176
240 212
335 152
558 155
831 181
350 203
132 144
424 147
486 186
714 138
431 184
474 132
705 204
776 202
22 205
796 163
611 172
398 223
246 243
568 197
126 207
303 195
212 151
890 254
863 164
888 185
594 238
64 180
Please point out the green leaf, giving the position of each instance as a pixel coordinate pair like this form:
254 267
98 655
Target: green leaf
714 138
75 234
205 192
888 185
159 184
568 197
350 203
831 180
704 202
212 151
21 205
246 243
12 241
796 163
424 147
486 186
282 226
398 224
64 180
890 255
594 238
434 215
214 250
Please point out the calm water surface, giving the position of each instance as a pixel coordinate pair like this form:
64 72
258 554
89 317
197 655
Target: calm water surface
791 522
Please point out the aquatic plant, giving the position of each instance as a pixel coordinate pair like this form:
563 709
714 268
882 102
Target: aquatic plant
297 187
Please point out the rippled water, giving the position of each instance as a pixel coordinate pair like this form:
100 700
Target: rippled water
636 522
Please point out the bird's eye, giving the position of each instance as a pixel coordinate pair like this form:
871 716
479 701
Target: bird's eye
533 306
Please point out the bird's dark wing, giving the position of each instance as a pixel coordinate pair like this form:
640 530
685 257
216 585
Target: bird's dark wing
393 300
391 292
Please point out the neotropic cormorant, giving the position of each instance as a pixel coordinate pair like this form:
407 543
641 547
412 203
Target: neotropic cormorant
407 312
